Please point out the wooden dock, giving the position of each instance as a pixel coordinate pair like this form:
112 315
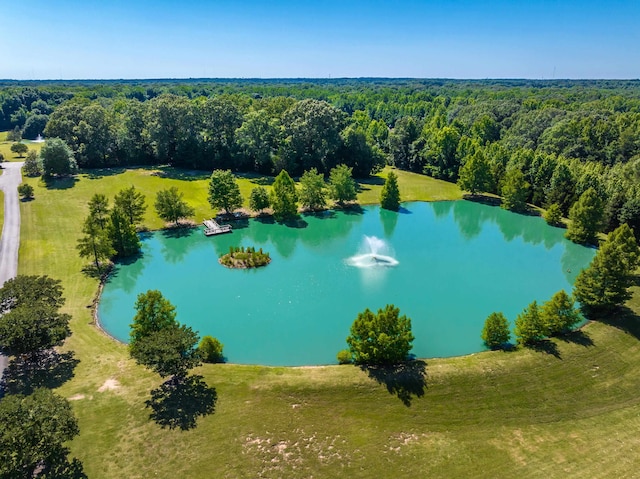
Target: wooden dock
212 228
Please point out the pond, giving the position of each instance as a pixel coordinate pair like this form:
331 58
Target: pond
446 265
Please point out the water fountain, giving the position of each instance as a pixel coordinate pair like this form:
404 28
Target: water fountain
375 252
39 139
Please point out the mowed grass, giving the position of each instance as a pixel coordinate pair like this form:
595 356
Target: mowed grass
5 147
495 414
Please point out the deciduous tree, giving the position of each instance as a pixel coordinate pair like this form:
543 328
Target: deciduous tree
19 149
57 158
475 174
312 190
171 207
259 199
515 190
529 325
342 187
559 314
33 431
95 243
153 313
30 291
224 191
122 233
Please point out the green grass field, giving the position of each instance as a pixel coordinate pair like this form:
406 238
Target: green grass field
574 413
5 148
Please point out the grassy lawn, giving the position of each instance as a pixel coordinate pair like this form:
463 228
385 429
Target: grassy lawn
5 147
574 413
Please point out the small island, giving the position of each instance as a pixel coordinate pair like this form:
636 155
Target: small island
241 258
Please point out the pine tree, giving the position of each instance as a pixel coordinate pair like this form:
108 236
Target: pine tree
586 217
495 333
529 326
559 315
390 195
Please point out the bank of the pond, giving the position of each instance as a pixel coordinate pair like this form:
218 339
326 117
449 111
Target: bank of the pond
457 262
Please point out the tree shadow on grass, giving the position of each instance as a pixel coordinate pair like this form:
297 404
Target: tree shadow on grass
622 318
546 346
47 368
179 173
363 184
101 273
59 182
97 173
577 337
178 402
405 380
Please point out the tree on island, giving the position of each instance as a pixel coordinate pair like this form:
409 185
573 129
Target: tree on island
586 217
284 197
33 431
224 191
19 149
312 190
259 199
57 158
475 174
132 203
495 333
390 195
606 282
381 338
171 207
342 187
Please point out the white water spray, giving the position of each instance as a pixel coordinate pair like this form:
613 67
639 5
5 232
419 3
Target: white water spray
374 253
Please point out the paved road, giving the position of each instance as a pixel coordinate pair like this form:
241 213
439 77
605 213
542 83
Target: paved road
10 242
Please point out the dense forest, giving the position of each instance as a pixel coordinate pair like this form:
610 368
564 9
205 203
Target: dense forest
550 141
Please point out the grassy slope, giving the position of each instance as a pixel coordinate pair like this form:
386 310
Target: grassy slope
486 415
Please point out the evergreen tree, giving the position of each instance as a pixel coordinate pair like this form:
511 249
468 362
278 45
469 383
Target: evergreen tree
284 197
529 326
95 243
122 234
153 313
586 217
561 188
495 333
342 187
382 338
312 190
607 280
132 203
99 210
559 314
390 195
26 191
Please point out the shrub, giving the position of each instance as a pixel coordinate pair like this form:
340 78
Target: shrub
495 333
26 191
553 215
211 350
344 357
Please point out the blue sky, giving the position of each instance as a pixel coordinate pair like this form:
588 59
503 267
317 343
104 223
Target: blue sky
63 39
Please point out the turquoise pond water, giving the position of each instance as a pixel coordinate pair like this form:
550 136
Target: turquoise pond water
457 262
